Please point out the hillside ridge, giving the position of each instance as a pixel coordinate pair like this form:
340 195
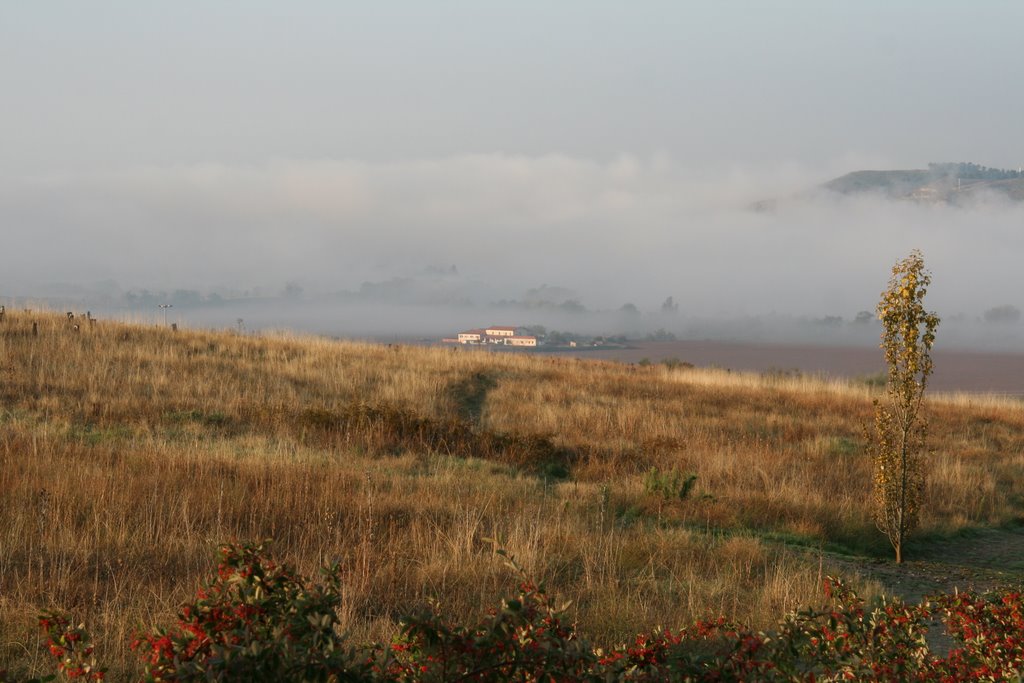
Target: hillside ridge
956 183
644 495
940 182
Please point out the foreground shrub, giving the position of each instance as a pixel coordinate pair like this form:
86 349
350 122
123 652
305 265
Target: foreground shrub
991 630
526 639
260 621
256 621
71 647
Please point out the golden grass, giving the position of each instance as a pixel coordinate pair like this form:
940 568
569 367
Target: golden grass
127 452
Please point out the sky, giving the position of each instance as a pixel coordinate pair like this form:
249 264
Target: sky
611 148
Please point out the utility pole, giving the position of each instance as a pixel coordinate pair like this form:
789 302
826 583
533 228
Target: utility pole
165 307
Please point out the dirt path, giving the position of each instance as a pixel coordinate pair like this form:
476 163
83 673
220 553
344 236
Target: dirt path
469 394
984 560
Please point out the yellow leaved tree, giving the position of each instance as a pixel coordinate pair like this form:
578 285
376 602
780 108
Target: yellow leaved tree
897 446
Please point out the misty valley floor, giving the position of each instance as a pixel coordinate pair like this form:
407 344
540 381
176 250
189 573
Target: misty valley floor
989 372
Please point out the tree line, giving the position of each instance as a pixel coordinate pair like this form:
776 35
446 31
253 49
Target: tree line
969 171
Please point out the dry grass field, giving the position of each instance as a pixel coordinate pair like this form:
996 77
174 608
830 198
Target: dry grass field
127 452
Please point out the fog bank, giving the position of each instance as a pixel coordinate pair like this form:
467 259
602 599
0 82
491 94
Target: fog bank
473 236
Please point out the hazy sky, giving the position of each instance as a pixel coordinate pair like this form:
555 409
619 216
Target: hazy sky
98 84
609 147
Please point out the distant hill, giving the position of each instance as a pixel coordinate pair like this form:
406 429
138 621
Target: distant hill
891 183
945 182
948 183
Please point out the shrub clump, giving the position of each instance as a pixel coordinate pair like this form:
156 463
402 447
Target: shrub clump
383 427
260 621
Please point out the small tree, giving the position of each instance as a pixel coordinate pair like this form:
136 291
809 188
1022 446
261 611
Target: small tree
898 445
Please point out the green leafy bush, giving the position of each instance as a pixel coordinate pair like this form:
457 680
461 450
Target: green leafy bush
670 484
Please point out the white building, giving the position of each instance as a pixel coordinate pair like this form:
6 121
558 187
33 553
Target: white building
471 337
520 341
496 334
500 331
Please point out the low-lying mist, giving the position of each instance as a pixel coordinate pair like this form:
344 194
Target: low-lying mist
425 248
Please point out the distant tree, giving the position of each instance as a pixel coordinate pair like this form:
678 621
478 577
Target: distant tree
572 306
547 294
186 297
558 338
1002 315
897 446
144 298
669 306
971 171
863 317
630 309
660 334
292 290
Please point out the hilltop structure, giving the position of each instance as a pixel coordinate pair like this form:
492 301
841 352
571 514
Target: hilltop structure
496 334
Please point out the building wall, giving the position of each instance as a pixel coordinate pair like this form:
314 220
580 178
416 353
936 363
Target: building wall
521 341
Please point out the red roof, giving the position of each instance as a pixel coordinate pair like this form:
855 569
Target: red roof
500 327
